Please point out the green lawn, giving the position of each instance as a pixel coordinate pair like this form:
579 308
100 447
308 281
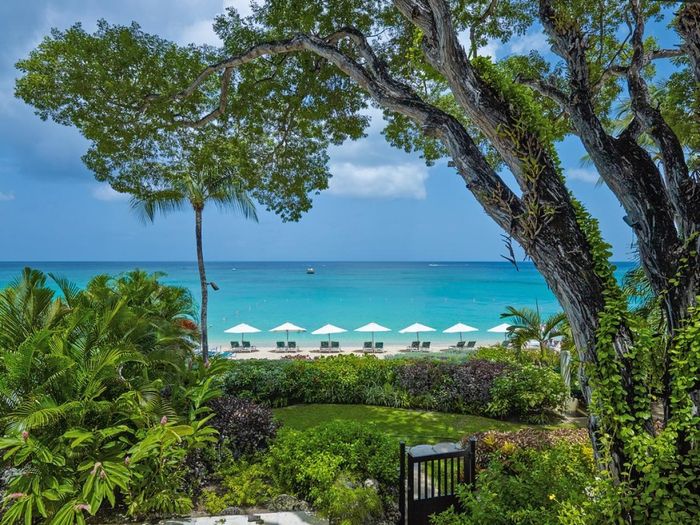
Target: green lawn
413 426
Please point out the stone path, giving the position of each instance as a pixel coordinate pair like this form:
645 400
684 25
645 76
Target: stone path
268 518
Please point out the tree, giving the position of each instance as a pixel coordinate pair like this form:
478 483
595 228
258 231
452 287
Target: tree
196 189
407 57
527 324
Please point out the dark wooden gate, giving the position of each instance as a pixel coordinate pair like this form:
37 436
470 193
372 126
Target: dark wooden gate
429 476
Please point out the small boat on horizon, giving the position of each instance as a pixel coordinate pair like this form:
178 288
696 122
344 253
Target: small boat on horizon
310 270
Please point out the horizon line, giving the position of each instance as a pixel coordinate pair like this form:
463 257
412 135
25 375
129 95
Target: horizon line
194 261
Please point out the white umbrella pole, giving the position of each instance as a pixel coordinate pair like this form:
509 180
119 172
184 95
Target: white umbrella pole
287 338
373 341
460 337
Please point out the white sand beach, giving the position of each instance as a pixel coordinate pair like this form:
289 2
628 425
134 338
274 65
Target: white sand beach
269 352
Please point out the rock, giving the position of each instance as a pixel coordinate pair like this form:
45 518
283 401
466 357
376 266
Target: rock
231 511
371 484
285 502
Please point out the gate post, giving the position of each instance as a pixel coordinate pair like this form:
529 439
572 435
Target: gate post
402 482
472 462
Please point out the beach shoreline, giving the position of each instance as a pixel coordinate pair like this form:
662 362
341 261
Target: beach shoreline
267 351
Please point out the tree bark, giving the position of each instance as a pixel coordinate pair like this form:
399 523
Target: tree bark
688 24
204 341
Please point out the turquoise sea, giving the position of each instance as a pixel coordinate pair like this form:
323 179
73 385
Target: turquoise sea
347 294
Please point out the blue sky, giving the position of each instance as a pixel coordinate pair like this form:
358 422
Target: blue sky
383 204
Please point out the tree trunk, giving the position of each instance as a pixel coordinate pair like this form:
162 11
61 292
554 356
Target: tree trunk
203 286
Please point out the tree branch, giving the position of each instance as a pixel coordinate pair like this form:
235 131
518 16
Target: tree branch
680 186
493 194
546 89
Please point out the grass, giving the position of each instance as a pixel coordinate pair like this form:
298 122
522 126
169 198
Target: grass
413 426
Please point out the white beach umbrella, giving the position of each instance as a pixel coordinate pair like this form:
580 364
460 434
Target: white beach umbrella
416 328
329 329
460 328
288 327
242 328
373 327
500 329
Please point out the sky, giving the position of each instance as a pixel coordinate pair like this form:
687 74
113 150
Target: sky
382 204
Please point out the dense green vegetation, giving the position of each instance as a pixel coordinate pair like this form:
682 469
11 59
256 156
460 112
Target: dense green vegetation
101 397
505 388
412 426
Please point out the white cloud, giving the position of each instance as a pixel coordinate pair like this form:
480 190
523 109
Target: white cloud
9 196
242 6
582 174
201 32
529 42
105 192
380 181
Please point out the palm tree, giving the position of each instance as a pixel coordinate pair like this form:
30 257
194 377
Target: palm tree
196 189
527 324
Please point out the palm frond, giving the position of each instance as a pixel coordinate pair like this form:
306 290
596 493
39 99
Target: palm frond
158 202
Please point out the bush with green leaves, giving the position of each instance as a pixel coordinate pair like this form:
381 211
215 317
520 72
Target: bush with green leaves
529 392
101 397
328 466
474 386
551 486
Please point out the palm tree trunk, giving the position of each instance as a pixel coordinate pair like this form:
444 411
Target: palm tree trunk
203 285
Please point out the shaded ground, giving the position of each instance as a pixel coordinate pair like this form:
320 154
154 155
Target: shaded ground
413 426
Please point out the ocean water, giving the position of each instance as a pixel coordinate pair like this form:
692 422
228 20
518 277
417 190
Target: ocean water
347 294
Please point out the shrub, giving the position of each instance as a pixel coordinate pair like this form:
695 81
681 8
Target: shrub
247 484
326 465
496 442
532 486
357 449
472 383
528 391
349 505
495 353
264 381
244 427
420 378
476 386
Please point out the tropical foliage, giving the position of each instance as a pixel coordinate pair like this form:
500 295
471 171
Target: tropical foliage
101 396
476 386
527 324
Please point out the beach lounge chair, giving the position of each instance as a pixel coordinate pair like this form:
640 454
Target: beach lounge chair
470 345
235 345
425 346
413 347
281 347
379 347
335 346
457 346
367 346
325 347
247 347
292 346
